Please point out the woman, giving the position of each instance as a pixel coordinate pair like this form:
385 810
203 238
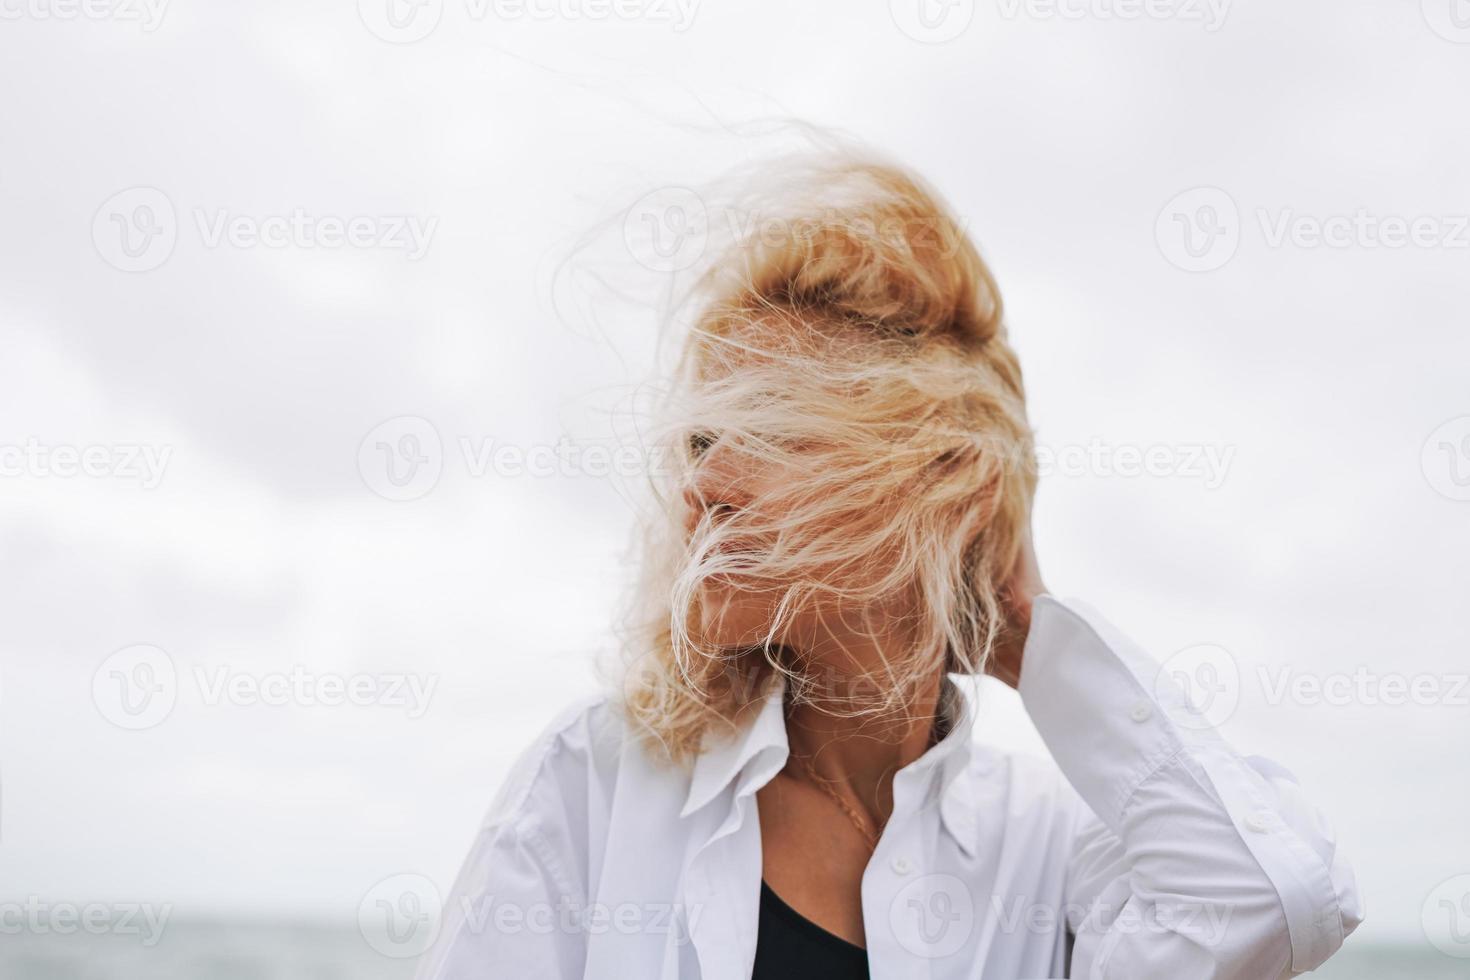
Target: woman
785 785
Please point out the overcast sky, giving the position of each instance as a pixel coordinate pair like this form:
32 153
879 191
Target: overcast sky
252 254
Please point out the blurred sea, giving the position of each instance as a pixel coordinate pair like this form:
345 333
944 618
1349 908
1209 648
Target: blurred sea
202 951
216 951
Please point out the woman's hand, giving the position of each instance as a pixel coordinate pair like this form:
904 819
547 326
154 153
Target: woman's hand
1017 595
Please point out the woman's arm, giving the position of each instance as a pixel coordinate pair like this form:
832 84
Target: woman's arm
1193 861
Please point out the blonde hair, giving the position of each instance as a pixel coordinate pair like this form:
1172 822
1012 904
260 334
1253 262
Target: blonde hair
890 384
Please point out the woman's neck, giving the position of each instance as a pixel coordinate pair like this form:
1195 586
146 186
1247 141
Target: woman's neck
859 756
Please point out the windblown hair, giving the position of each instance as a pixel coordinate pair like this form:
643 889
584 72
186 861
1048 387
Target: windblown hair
848 331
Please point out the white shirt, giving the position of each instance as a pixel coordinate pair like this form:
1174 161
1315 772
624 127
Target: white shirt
1161 854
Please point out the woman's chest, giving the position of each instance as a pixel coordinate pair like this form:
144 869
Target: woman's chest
928 902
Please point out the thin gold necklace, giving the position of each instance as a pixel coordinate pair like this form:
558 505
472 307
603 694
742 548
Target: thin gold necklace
870 834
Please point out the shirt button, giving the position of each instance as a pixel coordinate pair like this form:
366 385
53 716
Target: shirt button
1142 711
1257 822
901 865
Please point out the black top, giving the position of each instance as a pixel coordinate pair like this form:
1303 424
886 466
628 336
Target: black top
790 945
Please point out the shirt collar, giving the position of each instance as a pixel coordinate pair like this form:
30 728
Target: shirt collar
755 751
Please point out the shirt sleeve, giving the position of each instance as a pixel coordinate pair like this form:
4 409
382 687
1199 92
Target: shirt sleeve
1189 860
518 905
509 907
